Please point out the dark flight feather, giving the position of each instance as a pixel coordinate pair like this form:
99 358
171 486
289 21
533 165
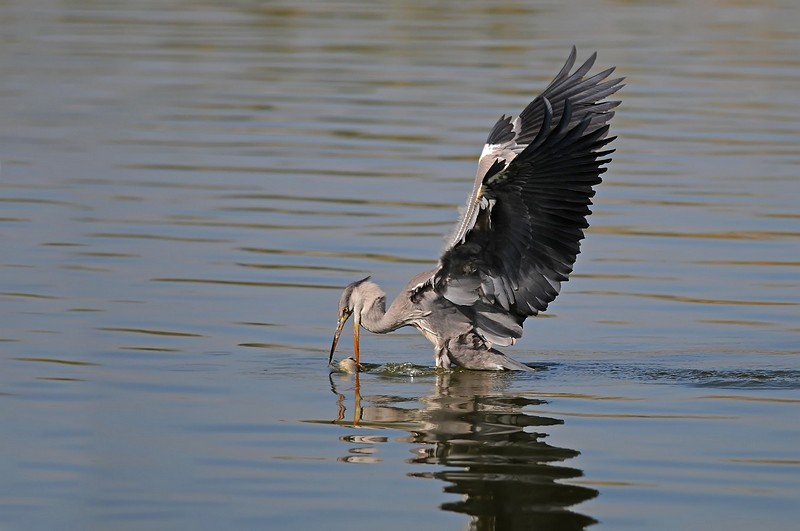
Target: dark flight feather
521 230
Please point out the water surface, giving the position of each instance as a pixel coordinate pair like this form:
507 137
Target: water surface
186 186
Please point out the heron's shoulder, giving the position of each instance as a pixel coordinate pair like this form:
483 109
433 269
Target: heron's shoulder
420 284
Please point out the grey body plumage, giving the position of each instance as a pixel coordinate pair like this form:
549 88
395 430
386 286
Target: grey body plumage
518 236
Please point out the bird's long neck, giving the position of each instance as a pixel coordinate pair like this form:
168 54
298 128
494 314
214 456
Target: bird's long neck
376 319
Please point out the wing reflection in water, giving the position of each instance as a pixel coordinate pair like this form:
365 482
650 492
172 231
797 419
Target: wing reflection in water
483 444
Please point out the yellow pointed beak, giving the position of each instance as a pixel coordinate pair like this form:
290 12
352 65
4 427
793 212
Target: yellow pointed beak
356 328
339 327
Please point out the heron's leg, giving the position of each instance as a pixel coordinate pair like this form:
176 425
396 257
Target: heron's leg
442 358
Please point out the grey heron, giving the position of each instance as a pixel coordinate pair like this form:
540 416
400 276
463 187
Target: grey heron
517 238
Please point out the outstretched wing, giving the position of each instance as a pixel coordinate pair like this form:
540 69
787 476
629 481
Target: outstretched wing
520 233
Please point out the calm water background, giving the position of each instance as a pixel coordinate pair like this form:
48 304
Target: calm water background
185 186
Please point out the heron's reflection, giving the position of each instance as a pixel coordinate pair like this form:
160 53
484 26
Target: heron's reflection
488 446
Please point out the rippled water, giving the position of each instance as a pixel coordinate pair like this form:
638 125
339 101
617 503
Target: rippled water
186 186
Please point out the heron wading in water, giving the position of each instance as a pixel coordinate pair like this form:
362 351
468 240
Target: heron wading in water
518 236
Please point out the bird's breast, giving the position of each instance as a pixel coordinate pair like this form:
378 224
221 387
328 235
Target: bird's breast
424 327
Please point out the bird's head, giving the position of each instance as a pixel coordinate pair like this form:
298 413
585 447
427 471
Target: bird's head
349 303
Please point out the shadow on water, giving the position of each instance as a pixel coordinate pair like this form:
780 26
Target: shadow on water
482 444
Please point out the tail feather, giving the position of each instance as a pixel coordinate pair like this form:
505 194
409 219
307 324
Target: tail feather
471 353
